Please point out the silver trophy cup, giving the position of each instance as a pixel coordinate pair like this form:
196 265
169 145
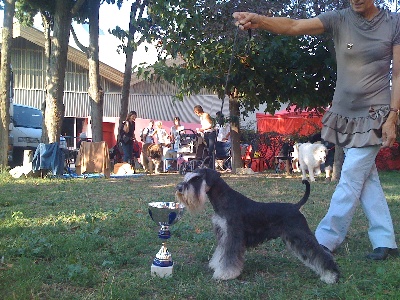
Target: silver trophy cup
164 214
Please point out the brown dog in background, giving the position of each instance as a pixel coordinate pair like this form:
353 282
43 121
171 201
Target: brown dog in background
151 157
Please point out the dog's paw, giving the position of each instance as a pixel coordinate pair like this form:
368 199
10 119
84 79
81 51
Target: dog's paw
226 274
330 277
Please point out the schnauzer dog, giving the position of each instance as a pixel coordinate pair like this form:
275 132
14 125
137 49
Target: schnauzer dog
151 157
240 222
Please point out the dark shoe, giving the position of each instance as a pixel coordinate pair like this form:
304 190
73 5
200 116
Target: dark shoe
381 253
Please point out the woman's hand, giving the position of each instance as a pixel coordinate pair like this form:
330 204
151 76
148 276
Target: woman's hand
389 130
246 20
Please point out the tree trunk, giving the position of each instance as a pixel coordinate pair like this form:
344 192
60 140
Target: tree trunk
47 51
128 70
96 93
54 112
5 79
338 163
235 132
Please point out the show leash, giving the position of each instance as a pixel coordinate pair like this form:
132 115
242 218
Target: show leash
231 63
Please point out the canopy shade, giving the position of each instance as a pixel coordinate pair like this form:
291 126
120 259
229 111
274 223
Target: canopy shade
289 122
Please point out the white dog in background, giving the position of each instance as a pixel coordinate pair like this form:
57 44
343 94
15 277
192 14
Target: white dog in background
311 156
295 157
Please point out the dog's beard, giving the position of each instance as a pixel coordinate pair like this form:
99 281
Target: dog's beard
193 201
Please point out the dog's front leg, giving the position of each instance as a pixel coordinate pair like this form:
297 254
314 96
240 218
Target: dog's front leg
142 161
317 170
228 258
311 173
303 172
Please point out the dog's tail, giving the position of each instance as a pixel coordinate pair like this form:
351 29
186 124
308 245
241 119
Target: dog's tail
306 194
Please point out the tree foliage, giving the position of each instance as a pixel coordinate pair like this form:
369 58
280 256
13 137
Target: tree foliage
265 68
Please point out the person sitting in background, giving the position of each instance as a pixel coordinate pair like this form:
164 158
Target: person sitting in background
223 129
223 144
82 138
171 153
284 155
161 134
163 139
148 133
175 133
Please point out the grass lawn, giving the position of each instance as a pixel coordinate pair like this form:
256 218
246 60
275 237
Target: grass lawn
93 239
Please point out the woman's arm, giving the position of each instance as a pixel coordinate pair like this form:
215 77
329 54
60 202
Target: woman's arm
279 25
389 127
126 127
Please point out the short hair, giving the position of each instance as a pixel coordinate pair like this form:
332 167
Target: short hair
177 119
198 109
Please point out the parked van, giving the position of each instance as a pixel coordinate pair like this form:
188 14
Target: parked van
26 131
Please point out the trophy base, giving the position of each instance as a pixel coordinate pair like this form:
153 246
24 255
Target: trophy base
162 272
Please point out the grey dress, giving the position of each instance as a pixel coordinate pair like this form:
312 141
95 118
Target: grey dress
364 51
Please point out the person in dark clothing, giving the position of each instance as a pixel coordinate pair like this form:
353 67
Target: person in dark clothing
127 135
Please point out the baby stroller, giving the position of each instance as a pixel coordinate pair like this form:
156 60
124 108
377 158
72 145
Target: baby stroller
223 156
116 154
192 152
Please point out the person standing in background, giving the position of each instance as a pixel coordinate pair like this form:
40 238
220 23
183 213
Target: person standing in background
208 130
127 135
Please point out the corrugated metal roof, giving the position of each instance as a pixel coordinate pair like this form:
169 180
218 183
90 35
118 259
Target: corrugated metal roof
158 107
36 36
166 107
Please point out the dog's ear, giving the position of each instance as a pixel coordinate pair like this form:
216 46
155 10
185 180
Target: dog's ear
212 177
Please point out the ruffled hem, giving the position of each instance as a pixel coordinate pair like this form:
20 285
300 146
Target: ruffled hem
355 132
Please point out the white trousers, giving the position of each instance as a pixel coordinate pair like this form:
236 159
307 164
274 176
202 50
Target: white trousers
359 183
